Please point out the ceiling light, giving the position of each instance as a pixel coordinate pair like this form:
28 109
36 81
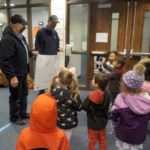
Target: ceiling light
12 4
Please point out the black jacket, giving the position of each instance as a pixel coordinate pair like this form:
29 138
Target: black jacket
67 108
97 114
13 54
114 79
47 42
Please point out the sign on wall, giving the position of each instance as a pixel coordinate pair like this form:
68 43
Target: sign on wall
102 37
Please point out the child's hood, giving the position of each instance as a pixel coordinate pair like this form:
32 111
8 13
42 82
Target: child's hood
146 86
43 116
96 96
137 103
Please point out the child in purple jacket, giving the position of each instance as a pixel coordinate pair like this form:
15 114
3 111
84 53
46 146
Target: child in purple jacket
131 111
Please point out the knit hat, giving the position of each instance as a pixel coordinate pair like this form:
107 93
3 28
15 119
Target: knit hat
134 79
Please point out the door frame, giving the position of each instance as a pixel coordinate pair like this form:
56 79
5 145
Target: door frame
126 41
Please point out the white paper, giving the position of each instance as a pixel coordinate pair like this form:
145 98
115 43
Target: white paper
47 66
68 49
102 37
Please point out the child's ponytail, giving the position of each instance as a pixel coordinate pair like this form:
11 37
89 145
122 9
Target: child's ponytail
139 68
53 84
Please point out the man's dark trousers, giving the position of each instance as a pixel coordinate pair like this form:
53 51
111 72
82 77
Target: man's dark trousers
18 99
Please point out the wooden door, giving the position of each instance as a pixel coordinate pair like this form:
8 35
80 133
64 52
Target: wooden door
101 26
133 33
139 43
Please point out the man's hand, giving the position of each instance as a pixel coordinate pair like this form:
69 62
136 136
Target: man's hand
14 82
35 53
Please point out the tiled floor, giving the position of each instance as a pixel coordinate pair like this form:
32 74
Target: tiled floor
9 135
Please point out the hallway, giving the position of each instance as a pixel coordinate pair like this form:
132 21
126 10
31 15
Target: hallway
9 133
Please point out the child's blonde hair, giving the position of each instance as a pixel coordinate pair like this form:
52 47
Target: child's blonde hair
65 77
53 84
74 89
73 71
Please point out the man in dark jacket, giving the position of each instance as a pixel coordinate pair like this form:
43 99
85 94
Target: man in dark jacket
47 39
15 59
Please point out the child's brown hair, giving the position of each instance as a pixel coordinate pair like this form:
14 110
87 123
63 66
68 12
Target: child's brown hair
120 61
111 52
101 80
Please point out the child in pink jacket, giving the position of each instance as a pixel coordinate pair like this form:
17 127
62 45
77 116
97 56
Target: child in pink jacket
131 111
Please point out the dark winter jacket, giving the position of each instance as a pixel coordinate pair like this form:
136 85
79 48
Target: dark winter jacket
47 42
131 113
67 108
13 54
96 105
114 79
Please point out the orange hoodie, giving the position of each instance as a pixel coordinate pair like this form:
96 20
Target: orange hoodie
42 132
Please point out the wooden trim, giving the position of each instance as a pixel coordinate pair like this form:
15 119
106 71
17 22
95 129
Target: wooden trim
142 6
130 27
89 1
79 52
29 26
67 24
88 46
77 1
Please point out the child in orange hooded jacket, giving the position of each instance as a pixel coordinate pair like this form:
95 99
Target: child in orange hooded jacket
42 132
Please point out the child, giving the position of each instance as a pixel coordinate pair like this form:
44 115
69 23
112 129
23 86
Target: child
96 105
68 101
43 133
146 85
111 57
114 78
131 111
99 61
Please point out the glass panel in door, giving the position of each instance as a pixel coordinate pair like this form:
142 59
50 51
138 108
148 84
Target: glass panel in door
3 21
18 2
78 27
79 61
2 2
146 33
78 36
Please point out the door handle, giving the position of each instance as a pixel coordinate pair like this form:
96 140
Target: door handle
124 53
103 53
138 54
